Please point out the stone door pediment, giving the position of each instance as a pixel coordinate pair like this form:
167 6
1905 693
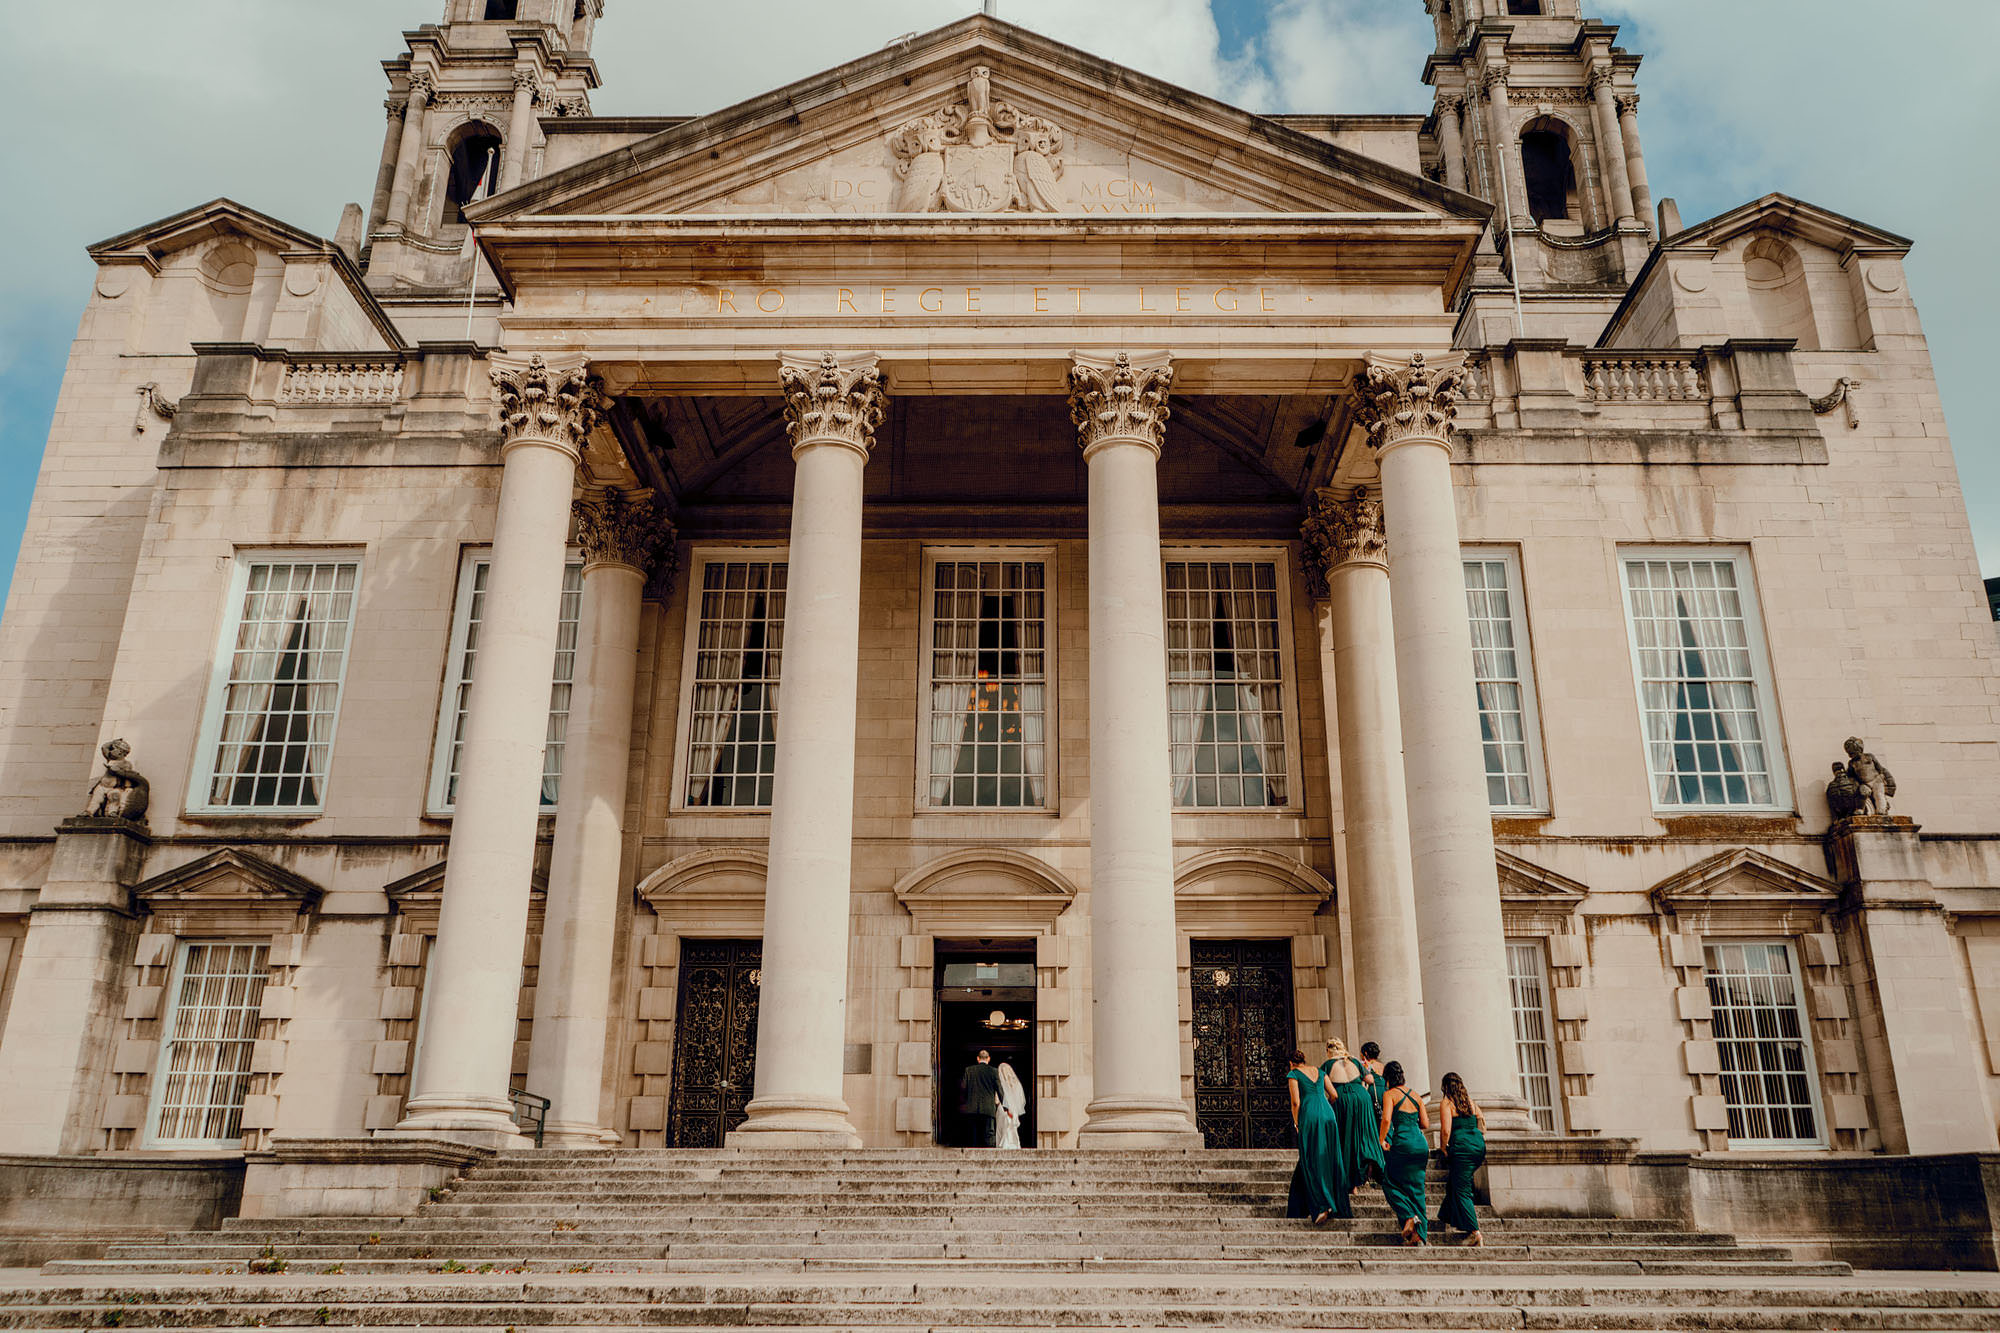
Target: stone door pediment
979 118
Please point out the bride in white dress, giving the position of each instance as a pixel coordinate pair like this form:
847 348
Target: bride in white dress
1013 1104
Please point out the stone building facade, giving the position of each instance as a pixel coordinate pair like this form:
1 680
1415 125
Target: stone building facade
1032 558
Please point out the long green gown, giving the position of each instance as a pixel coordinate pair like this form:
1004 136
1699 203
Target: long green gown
1464 1153
1319 1148
1360 1124
1403 1175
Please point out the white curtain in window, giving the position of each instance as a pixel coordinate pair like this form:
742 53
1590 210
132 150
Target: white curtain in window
717 697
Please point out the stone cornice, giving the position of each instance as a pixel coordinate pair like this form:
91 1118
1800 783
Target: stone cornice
1120 400
1417 399
557 403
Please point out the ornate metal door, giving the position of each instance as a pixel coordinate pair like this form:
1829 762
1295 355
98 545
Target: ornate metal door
1242 1037
715 1040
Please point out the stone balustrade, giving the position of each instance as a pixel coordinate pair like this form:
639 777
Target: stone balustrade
342 380
1646 377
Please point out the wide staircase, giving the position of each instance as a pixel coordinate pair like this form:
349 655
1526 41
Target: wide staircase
941 1239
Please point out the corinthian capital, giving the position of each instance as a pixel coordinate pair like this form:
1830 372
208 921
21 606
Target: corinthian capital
422 86
557 403
615 528
1628 103
1598 77
1117 400
833 401
1494 76
1405 400
1341 531
1450 104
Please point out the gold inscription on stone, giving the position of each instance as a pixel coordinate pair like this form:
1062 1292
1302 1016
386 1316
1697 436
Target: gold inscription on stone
911 301
1118 194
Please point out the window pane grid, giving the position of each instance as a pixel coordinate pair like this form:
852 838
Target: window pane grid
1534 1051
285 666
559 690
1705 733
989 683
205 1074
1225 684
1761 1039
1498 659
739 653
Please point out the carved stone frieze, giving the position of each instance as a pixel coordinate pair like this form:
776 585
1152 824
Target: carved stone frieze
1416 399
833 400
1340 530
621 528
978 155
1117 400
1554 96
559 404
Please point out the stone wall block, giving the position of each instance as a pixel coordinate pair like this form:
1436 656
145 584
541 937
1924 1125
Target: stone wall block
1576 1058
519 1067
1848 1111
914 1004
267 1057
1685 950
1055 1059
914 951
1829 1002
524 1005
1314 1004
1710 1113
1052 951
656 1004
135 1057
124 1112
647 1113
382 1113
1052 1005
143 1001
1822 949
406 950
287 949
1572 1004
1053 1115
1692 1003
1308 951
1567 951
1701 1057
913 1059
391 1057
154 950
1582 1113
913 1115
280 1002
653 1058
1839 1057
399 1003
260 1112
660 951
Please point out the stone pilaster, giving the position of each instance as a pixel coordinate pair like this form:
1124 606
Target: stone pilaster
1635 158
1120 410
621 537
1408 407
385 173
520 125
1506 151
832 408
1610 144
1347 570
410 153
1451 139
547 411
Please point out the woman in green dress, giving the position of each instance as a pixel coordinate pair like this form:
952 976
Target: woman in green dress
1319 1140
1464 1133
1407 1150
1371 1056
1346 1081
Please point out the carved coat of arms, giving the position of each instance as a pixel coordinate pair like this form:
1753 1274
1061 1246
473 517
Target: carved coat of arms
978 156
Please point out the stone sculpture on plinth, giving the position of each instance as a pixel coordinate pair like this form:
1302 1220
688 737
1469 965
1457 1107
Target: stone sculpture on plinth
1860 787
122 793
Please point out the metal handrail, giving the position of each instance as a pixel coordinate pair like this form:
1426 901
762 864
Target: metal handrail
531 1113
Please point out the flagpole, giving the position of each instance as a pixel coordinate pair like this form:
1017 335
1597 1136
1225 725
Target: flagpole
472 244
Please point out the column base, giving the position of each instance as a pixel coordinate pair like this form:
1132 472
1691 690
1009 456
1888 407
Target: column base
1507 1115
475 1120
578 1134
1137 1122
794 1122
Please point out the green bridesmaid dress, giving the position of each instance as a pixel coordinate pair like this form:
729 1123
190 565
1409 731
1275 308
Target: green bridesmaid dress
1319 1148
1408 1159
1464 1153
1360 1128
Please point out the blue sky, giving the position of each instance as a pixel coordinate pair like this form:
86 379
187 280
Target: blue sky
277 103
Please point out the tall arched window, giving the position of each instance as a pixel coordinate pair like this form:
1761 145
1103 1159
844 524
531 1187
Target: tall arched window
475 169
1550 171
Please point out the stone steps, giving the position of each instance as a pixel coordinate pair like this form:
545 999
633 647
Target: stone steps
948 1240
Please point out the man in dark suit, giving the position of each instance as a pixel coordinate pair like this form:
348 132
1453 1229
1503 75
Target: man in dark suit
979 1097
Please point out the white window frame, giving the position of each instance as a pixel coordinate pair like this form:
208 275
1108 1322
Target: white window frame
1760 667
435 802
698 562
170 1014
1817 1100
1524 661
208 737
1540 951
1279 557
1042 554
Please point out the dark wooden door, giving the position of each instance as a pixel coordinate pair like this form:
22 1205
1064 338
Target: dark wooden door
715 1040
1242 1037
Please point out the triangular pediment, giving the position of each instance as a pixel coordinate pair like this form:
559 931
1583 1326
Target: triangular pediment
1524 881
1742 877
228 879
1790 217
979 117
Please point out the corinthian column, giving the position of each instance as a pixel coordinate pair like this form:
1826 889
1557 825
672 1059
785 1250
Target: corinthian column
410 154
526 88
1120 410
1506 149
474 985
385 174
1347 567
621 539
1451 139
832 407
1408 408
1635 159
1611 143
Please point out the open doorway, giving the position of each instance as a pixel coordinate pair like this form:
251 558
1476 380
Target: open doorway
985 1001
